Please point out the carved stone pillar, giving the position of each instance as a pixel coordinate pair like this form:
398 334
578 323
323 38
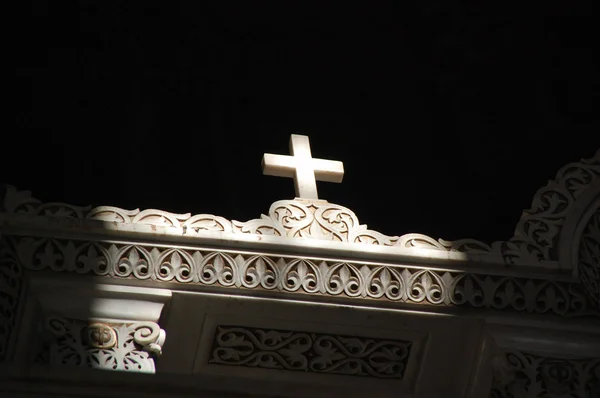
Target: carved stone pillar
99 326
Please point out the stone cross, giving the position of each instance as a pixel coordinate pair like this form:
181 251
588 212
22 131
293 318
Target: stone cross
301 166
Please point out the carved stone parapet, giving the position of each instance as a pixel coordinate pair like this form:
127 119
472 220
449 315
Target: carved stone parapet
286 222
99 326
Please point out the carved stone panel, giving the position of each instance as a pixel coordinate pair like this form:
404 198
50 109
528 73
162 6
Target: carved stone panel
310 352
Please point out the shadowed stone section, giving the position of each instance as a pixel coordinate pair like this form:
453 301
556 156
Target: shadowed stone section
589 257
3 193
11 281
523 375
538 230
310 352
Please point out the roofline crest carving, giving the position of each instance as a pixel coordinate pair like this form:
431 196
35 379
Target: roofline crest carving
534 241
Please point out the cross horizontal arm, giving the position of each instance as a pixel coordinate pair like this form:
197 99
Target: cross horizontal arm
328 170
278 165
302 167
285 166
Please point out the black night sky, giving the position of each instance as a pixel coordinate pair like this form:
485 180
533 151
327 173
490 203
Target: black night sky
447 117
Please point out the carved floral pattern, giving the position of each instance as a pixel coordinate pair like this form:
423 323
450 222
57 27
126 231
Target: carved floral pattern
125 347
524 375
304 275
310 352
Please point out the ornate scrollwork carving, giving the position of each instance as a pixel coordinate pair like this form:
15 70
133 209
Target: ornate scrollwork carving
304 275
327 221
318 220
21 202
126 347
311 352
524 375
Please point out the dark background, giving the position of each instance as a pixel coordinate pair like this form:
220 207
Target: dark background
447 117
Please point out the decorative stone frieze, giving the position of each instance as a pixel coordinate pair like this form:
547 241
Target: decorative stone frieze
309 352
292 274
100 345
524 375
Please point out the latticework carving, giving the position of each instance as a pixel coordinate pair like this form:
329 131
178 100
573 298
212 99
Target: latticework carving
233 269
309 352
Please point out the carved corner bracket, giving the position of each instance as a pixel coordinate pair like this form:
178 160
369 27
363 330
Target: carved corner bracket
99 326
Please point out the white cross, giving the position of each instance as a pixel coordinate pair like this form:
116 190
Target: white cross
305 170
